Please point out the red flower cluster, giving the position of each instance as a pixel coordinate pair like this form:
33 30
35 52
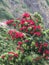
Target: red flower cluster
20 43
26 15
10 53
45 44
15 34
47 52
26 41
40 46
29 26
9 22
37 33
27 22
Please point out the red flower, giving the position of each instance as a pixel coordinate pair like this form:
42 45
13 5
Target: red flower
11 32
22 21
45 44
14 34
31 22
9 22
17 35
26 15
21 35
16 55
20 43
40 48
36 27
26 40
23 28
37 33
36 44
3 56
46 51
14 25
47 57
11 53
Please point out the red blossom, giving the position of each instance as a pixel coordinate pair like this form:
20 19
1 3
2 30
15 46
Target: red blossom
26 15
9 22
36 44
26 30
20 43
15 55
40 48
17 35
14 34
31 22
21 35
22 21
31 32
23 28
14 25
37 33
46 51
3 56
11 52
26 40
47 57
45 44
10 32
36 27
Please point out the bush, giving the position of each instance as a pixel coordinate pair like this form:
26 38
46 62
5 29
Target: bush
28 39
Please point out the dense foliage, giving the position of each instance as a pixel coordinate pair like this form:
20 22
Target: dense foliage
26 43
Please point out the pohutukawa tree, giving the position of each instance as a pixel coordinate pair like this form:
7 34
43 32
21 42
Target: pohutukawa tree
28 39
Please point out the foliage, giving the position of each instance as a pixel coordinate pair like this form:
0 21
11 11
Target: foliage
47 34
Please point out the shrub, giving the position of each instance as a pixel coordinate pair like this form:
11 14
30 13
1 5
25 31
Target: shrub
29 37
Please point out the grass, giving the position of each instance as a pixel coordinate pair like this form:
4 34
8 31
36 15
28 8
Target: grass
5 14
5 45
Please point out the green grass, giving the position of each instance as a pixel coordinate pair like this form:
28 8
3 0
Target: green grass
5 45
5 14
